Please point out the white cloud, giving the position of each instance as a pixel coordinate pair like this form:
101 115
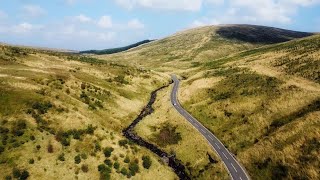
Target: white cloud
135 24
33 11
83 18
255 11
187 5
25 28
105 22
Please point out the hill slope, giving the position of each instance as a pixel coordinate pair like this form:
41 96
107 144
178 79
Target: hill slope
265 105
187 49
260 98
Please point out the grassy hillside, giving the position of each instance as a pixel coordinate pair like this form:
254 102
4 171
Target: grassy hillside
61 116
265 105
260 98
186 50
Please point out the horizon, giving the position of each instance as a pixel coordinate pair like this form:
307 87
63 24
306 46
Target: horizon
94 24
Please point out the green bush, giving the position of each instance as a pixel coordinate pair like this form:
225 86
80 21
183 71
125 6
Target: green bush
1 149
8 177
108 162
31 161
61 157
77 159
134 168
146 162
116 165
24 175
126 160
124 171
107 151
123 142
16 173
42 107
85 168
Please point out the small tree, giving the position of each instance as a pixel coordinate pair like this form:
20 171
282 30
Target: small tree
146 162
107 151
77 159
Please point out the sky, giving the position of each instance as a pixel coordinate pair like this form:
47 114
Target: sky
100 24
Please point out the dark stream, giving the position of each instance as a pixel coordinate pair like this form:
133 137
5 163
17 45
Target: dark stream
129 133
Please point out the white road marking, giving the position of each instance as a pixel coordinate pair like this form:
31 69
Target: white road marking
217 145
196 125
225 155
240 178
203 131
210 138
234 167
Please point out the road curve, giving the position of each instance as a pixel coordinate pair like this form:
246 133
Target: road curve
236 171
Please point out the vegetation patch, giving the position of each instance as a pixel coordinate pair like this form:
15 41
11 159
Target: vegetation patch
167 135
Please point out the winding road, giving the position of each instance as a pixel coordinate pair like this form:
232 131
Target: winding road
236 171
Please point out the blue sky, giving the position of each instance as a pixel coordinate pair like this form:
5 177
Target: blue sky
99 24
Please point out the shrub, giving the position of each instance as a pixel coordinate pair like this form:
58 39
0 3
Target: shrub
32 138
124 171
116 165
108 162
19 127
24 175
50 148
134 168
77 159
84 156
123 142
1 149
38 147
8 177
107 151
61 157
84 168
146 162
31 161
97 147
16 173
42 108
126 160
90 129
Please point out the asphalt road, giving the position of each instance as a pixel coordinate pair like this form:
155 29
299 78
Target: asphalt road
236 171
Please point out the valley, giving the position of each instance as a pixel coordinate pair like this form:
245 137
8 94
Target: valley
112 116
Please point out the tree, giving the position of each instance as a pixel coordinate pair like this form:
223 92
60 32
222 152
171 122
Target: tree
146 162
77 159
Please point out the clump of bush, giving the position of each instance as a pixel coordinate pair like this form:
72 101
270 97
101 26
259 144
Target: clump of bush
42 107
167 136
126 160
20 174
64 136
107 151
116 165
61 157
31 161
104 171
133 168
108 162
124 171
77 159
19 127
123 142
146 162
84 168
121 79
